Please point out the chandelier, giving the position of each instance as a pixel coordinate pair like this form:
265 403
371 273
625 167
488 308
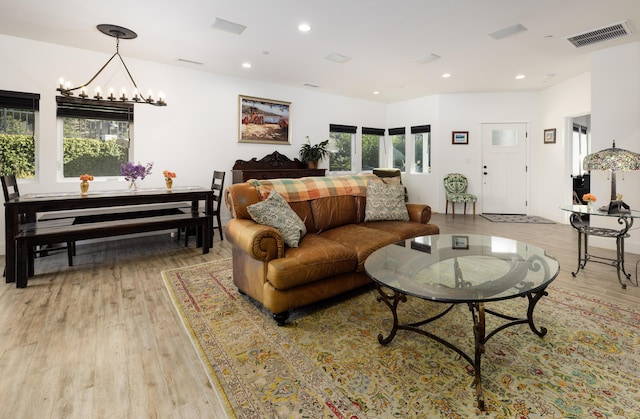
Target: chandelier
118 32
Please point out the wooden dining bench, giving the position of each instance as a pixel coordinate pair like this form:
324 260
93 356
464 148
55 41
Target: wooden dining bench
103 225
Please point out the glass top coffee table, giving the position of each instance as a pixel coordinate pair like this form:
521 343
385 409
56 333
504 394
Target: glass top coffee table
462 269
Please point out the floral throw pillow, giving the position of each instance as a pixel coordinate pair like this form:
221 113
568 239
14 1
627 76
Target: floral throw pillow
275 212
385 202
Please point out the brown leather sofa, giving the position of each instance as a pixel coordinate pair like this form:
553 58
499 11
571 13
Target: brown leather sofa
330 257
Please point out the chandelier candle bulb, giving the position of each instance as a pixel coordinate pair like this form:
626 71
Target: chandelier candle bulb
98 93
83 93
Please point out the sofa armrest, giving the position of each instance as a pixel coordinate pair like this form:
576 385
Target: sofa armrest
261 242
419 213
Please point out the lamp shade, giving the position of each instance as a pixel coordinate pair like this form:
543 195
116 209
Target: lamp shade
614 159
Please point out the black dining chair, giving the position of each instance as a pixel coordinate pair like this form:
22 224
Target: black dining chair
11 191
217 185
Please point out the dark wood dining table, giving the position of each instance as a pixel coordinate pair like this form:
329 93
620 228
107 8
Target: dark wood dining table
32 204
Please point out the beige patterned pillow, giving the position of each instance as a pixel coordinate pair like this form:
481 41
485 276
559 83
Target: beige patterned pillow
275 212
385 202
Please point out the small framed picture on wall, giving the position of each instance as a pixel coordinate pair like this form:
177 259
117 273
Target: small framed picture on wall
460 137
550 136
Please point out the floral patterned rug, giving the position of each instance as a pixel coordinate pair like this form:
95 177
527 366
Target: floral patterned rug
327 362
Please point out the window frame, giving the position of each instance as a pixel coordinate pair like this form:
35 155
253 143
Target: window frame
69 107
379 132
392 133
426 148
25 102
345 129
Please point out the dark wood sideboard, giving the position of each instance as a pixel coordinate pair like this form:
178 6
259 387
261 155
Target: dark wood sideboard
272 166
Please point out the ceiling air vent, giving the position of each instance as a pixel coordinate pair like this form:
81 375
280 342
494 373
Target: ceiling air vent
607 33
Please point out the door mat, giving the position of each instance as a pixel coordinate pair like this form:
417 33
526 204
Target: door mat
516 218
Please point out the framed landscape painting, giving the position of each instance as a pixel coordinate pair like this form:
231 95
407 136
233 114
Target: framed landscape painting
263 121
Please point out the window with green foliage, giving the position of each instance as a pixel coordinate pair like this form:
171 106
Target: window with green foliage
17 128
96 136
341 149
371 138
398 141
422 148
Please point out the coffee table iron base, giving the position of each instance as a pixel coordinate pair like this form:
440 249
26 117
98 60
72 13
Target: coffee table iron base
478 312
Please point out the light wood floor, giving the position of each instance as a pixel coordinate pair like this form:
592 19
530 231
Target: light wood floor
102 338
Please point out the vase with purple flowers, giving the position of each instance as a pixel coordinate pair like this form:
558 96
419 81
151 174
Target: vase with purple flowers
135 172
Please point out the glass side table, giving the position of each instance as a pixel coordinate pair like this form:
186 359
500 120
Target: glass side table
579 219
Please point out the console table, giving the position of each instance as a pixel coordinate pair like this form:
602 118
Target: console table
272 166
584 229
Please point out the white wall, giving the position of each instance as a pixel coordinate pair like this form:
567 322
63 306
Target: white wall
422 188
196 133
615 116
457 112
552 179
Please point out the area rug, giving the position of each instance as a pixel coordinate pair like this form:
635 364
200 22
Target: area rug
327 362
516 218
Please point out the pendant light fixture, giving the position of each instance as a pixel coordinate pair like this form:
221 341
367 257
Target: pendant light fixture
119 33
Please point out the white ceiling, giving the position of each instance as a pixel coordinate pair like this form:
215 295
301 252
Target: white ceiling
384 38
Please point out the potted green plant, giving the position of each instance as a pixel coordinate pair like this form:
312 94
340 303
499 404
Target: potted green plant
312 154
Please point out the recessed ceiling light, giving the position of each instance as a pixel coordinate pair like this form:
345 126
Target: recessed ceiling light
246 65
446 75
304 27
376 92
520 76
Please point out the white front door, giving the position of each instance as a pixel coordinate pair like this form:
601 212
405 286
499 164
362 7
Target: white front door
504 168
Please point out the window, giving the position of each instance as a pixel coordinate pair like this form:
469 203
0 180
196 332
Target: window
371 147
341 142
95 136
17 128
422 148
399 148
